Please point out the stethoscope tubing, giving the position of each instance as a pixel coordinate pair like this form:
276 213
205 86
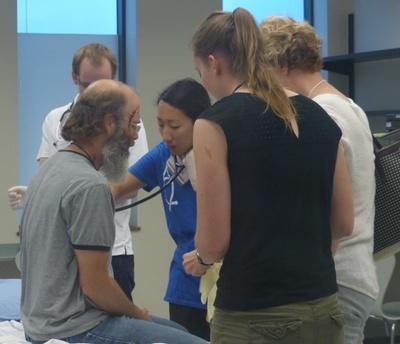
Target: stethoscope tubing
179 169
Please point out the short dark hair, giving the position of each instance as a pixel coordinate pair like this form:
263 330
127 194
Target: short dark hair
187 95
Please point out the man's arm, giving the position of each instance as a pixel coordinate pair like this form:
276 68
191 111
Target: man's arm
103 290
92 237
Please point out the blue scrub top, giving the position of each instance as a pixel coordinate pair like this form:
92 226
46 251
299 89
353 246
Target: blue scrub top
180 211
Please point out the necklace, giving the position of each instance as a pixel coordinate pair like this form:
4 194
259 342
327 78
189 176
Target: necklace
86 155
314 87
237 87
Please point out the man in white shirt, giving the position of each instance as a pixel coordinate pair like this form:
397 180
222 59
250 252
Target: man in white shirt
90 63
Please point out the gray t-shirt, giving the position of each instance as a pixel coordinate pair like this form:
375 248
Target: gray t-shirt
69 205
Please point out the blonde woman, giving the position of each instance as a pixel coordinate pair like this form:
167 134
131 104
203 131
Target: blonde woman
272 191
294 49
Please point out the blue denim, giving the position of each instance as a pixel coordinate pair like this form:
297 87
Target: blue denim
124 330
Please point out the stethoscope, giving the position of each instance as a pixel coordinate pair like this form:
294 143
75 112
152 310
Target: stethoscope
179 167
61 123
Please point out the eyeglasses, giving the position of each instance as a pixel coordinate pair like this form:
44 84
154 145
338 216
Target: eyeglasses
136 127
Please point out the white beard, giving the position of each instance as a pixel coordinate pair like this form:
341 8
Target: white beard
115 157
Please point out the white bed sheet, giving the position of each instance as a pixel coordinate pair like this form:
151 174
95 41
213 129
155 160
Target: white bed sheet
12 332
10 295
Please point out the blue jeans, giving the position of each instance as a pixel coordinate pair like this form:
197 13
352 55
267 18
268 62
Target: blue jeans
356 308
124 330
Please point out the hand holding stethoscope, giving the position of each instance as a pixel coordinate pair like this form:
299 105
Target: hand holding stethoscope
188 161
179 167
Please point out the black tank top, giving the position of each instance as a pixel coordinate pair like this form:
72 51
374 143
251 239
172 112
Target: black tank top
281 189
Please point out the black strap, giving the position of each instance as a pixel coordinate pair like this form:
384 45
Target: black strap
134 204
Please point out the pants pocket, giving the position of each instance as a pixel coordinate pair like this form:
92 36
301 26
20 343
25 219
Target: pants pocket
287 332
338 318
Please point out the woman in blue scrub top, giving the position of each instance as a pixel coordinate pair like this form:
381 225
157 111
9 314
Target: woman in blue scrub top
178 107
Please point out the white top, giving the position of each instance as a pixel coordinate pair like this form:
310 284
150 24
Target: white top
52 141
355 267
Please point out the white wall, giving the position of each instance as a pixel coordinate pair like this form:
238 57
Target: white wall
164 30
8 117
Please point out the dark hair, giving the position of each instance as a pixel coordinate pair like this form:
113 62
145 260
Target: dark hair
95 52
187 95
86 120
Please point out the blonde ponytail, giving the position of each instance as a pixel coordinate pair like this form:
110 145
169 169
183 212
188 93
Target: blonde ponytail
260 80
237 36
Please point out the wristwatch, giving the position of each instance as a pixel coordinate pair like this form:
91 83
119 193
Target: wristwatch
201 261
